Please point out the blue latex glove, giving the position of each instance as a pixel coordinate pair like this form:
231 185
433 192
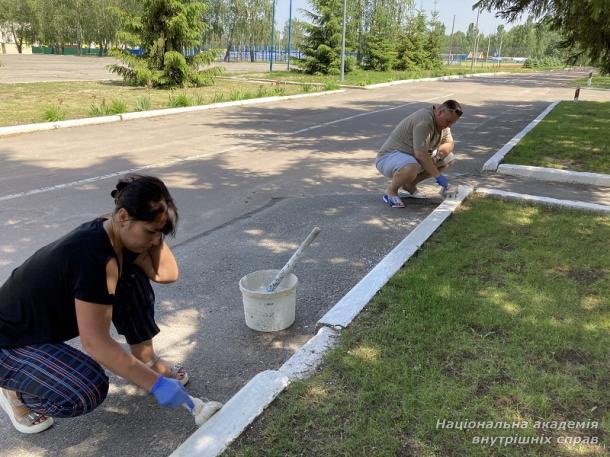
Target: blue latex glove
442 181
169 392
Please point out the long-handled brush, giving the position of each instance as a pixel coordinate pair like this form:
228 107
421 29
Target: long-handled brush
290 264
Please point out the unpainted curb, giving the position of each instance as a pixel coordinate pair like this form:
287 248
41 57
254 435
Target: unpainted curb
494 161
555 175
42 126
357 298
568 204
305 361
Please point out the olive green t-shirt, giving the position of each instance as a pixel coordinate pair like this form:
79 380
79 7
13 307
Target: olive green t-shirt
416 131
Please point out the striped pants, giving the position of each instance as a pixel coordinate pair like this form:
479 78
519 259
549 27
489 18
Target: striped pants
58 380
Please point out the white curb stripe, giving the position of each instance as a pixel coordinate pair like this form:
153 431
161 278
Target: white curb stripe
305 361
439 78
357 298
493 163
216 434
571 204
555 175
336 121
28 128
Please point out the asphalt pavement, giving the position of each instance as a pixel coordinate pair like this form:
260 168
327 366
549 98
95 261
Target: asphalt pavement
250 184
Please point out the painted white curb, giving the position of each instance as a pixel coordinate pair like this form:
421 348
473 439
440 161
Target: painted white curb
493 163
28 128
357 298
439 78
305 361
555 175
216 434
570 204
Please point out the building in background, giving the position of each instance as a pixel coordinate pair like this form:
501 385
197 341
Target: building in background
7 43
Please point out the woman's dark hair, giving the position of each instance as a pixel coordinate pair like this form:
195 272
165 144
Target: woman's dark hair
145 198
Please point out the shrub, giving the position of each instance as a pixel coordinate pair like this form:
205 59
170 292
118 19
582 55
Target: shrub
99 109
143 103
179 101
54 113
117 107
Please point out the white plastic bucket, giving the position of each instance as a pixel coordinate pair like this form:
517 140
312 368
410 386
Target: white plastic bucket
268 311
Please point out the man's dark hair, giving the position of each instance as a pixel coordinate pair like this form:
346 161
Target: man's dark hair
452 105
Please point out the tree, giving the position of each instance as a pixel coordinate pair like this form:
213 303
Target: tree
165 29
19 18
584 24
412 54
322 45
433 45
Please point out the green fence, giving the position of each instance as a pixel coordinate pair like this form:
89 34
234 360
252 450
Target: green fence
68 51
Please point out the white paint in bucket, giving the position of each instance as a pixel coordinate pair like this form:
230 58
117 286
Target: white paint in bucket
268 311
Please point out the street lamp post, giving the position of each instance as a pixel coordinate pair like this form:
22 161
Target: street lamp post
343 41
289 34
272 38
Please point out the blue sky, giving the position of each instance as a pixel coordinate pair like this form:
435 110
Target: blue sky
462 9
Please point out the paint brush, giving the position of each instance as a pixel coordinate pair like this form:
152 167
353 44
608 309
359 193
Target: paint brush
202 410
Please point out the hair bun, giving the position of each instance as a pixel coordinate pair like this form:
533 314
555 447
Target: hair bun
114 193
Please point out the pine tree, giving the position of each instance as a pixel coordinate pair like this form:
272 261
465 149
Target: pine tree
322 46
164 31
433 45
412 54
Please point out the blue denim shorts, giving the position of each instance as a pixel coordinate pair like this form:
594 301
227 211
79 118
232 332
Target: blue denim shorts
390 163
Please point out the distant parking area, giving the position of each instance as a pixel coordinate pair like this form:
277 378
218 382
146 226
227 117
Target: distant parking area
27 68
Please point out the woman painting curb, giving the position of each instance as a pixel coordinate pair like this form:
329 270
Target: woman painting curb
76 286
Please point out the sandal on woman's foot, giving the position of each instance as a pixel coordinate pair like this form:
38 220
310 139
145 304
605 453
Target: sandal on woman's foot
28 423
175 371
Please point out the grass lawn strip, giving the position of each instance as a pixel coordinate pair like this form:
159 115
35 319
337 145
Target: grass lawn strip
571 137
361 77
502 318
597 82
28 103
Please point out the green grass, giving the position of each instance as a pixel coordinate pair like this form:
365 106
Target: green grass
30 103
503 316
359 77
572 137
600 82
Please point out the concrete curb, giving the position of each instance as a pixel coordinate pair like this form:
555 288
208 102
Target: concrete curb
439 78
357 298
569 204
29 128
555 175
493 163
246 405
370 86
305 361
227 424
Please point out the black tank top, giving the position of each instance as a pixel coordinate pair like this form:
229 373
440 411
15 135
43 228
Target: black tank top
37 301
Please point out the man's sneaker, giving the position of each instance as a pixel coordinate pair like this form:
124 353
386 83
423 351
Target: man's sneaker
416 194
393 200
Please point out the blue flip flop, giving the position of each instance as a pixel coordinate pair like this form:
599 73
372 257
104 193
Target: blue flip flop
393 200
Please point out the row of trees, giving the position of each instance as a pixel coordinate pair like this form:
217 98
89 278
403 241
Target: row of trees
56 23
383 35
530 39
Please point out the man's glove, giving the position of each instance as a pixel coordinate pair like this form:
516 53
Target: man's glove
442 181
169 392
